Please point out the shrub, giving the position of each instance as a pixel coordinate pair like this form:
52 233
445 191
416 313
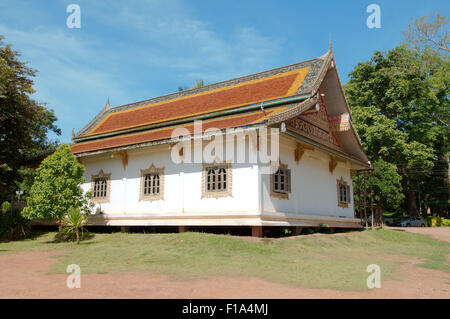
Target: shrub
438 221
14 225
443 221
56 188
6 207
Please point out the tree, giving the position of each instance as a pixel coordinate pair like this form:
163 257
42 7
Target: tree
56 188
429 31
197 84
24 123
428 37
396 103
387 187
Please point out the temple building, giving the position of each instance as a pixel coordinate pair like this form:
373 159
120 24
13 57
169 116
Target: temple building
275 148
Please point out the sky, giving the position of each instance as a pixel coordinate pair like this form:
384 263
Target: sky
134 50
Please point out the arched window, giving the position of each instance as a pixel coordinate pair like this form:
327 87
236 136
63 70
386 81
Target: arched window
217 180
211 180
152 184
343 193
280 180
101 187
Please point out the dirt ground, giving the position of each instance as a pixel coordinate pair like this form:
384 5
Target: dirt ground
439 233
25 275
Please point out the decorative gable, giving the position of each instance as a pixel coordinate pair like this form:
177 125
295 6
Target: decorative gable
315 124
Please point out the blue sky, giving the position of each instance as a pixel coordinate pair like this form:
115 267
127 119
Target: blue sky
134 50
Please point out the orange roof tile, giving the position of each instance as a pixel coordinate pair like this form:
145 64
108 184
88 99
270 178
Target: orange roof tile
166 133
228 97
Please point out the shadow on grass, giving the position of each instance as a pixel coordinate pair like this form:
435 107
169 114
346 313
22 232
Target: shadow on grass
83 237
31 235
87 243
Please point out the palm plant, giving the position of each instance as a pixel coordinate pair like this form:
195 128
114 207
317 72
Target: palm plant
198 84
73 223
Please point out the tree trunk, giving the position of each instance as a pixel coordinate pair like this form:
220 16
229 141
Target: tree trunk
78 235
412 205
60 230
371 201
365 199
379 213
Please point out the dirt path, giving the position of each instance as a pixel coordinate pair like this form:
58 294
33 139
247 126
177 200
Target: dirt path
439 233
25 275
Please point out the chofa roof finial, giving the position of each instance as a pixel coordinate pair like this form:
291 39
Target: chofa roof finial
107 103
331 48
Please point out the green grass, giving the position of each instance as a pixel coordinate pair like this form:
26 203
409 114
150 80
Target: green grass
326 261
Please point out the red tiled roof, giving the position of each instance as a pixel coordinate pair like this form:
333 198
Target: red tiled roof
166 133
249 92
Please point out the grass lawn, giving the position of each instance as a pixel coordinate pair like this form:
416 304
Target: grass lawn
326 261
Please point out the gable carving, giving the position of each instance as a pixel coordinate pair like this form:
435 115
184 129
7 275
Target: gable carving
314 124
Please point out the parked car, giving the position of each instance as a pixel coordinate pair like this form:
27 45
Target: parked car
413 222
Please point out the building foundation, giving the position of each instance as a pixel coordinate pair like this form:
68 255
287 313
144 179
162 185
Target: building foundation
257 231
182 229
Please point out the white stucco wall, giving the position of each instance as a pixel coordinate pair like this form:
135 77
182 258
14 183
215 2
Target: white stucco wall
116 205
182 185
313 187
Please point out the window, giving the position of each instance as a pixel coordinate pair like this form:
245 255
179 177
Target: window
101 187
216 180
343 193
280 180
152 184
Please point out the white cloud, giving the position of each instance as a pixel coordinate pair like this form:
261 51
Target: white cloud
68 78
181 41
125 50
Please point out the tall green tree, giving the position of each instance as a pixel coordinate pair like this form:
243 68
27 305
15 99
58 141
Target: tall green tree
400 107
429 38
56 188
387 187
24 123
